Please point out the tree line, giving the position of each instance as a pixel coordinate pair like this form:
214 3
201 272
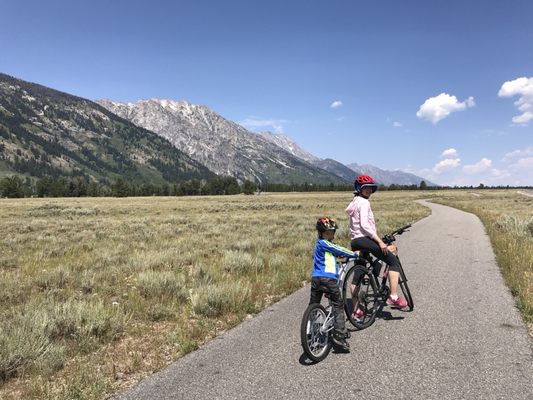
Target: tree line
50 186
16 187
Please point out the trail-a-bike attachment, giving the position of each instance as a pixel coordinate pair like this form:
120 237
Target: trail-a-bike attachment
317 326
373 285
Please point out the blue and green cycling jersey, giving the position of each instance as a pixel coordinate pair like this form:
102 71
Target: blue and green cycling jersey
325 263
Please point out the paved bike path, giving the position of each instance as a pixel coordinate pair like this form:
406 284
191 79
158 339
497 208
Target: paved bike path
464 340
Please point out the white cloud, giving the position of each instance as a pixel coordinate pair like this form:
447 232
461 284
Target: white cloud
518 154
397 124
522 87
253 123
436 108
515 168
446 164
481 166
336 104
525 163
494 132
520 163
523 119
448 153
498 174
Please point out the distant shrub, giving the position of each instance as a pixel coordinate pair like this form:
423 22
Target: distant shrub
6 263
53 210
54 279
241 262
159 312
164 283
87 283
276 261
243 245
200 275
24 344
514 225
215 300
81 321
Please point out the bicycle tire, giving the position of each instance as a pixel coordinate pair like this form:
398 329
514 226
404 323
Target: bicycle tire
316 344
404 287
368 297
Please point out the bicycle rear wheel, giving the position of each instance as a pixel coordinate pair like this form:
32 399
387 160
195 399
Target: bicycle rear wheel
402 283
315 342
366 297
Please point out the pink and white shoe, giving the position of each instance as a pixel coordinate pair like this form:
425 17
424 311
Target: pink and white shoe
399 302
358 314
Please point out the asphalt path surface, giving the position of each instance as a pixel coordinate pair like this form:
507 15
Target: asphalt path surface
464 340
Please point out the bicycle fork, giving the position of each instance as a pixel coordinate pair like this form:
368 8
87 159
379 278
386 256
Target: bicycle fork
327 325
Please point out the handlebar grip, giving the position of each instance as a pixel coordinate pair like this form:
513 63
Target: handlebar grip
399 231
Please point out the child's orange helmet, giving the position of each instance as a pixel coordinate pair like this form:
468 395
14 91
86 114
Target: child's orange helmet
326 224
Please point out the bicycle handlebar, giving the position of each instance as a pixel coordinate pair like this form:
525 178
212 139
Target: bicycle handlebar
388 239
401 230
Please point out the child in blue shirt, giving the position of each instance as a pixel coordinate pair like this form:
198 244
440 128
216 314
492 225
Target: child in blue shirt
325 276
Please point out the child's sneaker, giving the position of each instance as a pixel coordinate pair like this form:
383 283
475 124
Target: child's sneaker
358 314
399 302
340 341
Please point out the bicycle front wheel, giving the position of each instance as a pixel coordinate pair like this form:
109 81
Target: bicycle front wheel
363 295
402 283
315 339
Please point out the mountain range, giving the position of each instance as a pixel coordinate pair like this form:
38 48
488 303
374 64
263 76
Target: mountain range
347 172
388 178
47 132
205 136
221 145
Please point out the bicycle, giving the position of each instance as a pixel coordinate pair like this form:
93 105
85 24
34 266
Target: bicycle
316 329
373 288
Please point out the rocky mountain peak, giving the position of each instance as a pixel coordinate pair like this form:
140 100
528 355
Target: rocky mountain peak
223 146
285 142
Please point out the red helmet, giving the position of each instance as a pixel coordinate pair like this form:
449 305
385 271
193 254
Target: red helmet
363 181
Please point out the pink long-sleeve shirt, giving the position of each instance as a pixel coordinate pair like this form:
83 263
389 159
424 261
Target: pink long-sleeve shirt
361 218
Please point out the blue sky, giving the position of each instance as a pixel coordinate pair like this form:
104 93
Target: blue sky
443 89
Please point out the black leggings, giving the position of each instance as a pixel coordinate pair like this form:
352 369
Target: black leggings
367 244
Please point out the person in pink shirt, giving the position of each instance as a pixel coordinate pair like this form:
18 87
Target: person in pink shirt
364 237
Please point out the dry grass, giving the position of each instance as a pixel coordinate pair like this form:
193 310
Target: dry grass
98 293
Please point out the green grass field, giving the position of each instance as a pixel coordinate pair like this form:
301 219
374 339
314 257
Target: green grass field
99 292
